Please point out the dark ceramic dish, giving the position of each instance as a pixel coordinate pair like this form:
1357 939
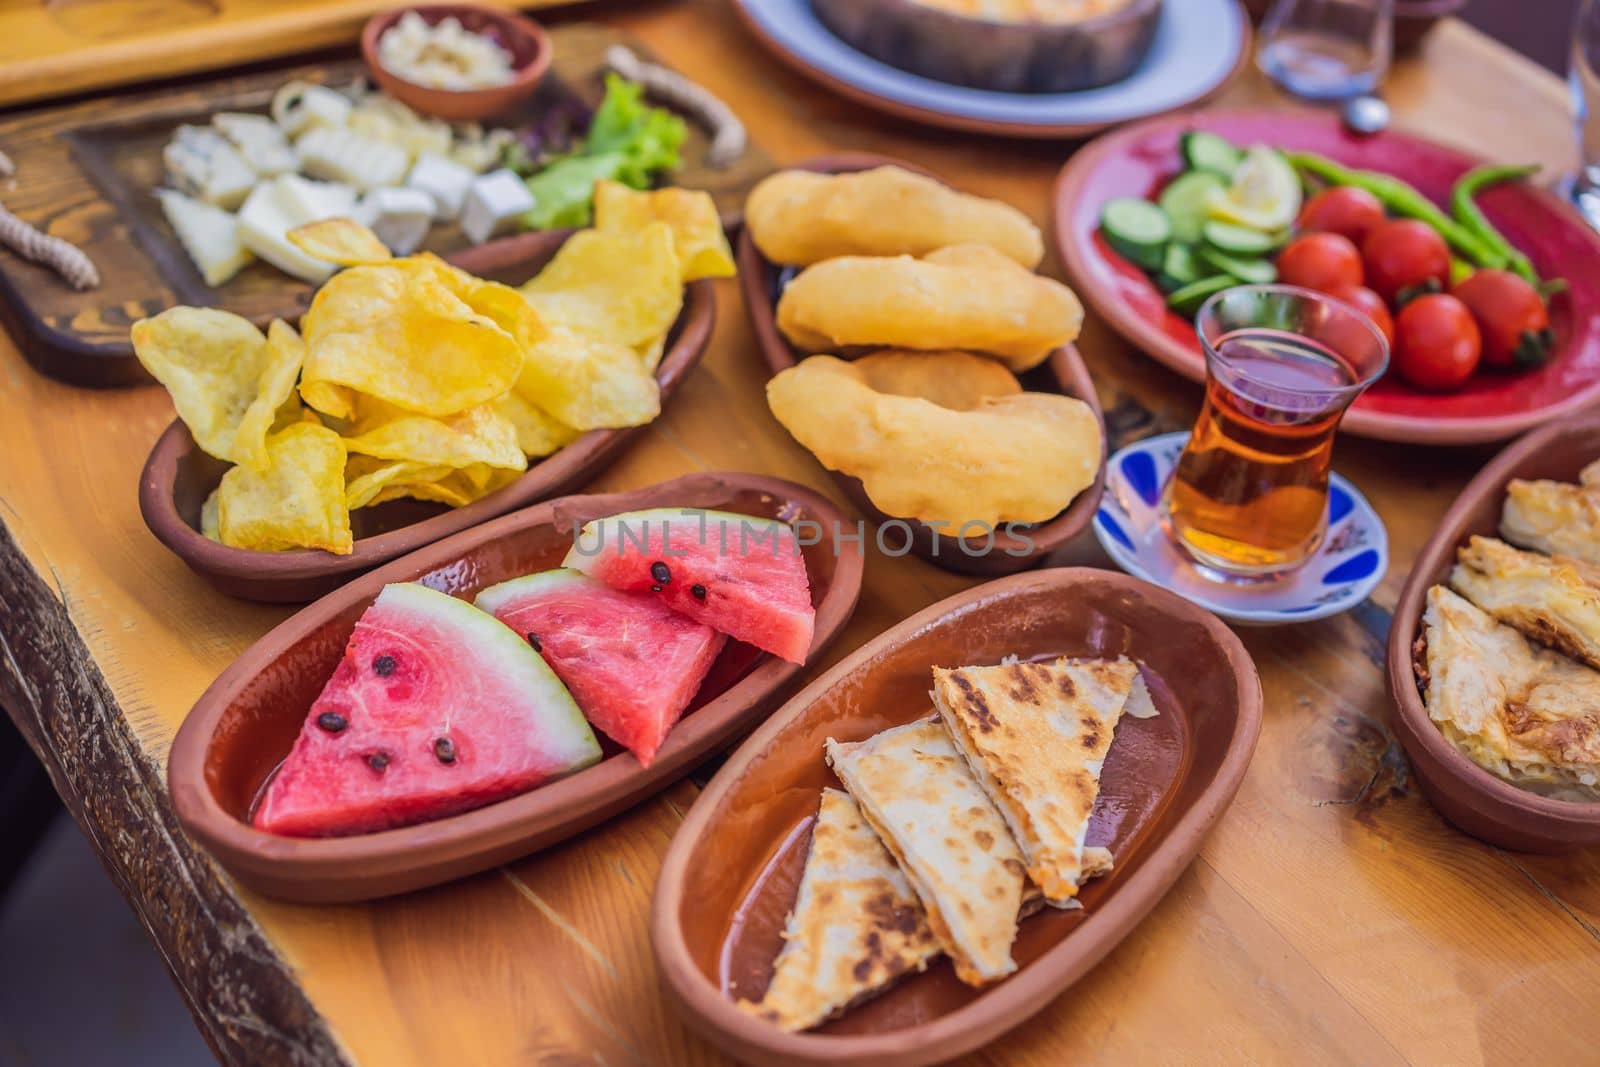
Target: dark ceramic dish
762 282
178 476
730 876
526 41
1007 57
246 722
1466 794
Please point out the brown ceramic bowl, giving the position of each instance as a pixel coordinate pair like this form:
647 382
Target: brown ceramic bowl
1006 57
1412 18
1064 372
730 876
528 43
246 722
1466 794
178 476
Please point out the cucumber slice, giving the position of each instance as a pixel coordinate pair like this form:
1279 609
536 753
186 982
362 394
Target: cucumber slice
1186 201
1137 230
1237 240
1187 301
1180 268
1254 271
1207 151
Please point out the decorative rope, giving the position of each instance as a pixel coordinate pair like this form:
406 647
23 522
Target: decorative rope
63 257
728 138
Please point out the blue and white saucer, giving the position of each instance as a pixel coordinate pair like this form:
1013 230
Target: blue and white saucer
1348 565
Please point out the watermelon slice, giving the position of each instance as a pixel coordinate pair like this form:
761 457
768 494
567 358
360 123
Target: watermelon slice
436 708
738 574
632 663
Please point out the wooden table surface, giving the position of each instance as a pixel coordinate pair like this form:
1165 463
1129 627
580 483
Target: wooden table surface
1331 917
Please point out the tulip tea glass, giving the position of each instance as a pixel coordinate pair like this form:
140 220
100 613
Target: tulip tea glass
1248 498
1327 49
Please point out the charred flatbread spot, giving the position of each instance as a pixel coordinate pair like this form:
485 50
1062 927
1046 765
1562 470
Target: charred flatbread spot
1064 683
887 914
981 714
1014 866
1089 737
1023 687
985 839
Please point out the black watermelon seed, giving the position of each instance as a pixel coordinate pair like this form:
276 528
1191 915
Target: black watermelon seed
378 760
384 666
533 639
332 721
445 749
655 589
698 591
660 572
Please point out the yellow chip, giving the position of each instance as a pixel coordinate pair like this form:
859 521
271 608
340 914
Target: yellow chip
400 332
340 240
701 246
622 287
477 435
210 516
274 401
456 489
538 432
298 502
213 363
651 356
366 477
589 383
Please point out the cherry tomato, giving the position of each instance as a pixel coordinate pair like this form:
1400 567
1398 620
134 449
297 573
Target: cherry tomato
1510 315
1345 210
1320 261
1366 300
1437 345
1403 254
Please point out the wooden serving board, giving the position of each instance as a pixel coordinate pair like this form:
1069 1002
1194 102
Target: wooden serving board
86 172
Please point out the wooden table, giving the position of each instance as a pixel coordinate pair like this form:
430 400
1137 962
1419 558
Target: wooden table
1332 916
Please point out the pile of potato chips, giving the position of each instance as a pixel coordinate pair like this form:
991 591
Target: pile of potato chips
411 378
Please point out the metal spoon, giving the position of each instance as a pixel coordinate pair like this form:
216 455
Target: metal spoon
1366 115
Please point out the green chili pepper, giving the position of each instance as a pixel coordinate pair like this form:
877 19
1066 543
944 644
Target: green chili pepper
1464 205
1402 199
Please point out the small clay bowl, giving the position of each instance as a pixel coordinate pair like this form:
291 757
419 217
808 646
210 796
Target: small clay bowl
247 721
178 476
1466 794
1064 372
730 875
529 45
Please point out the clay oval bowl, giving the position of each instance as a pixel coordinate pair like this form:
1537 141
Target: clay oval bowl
531 54
729 877
1064 372
1007 57
246 722
178 477
1466 794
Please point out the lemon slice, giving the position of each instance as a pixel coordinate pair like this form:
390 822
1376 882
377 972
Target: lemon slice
1265 194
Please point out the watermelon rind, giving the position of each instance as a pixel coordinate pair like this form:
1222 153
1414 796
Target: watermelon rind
492 599
600 534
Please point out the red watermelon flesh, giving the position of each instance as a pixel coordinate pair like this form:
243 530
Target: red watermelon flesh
435 709
632 663
738 574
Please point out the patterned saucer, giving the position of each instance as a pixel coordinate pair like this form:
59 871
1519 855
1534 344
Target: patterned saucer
1347 566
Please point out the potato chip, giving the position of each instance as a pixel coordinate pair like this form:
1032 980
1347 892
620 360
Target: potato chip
340 240
365 477
589 383
399 331
538 432
457 489
212 362
298 502
651 356
620 287
701 246
274 394
210 516
477 435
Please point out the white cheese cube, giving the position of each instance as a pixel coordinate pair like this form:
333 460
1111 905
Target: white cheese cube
493 204
209 234
202 162
308 201
300 106
259 141
445 180
346 156
400 217
269 214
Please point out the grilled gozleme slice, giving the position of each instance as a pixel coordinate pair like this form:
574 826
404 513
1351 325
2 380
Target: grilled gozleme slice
856 926
1525 714
1557 518
1035 736
916 792
1554 600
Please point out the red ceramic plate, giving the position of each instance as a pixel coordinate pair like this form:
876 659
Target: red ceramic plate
1491 407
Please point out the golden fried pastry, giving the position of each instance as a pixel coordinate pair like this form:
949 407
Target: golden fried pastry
1554 600
799 217
955 380
963 296
1558 518
1017 458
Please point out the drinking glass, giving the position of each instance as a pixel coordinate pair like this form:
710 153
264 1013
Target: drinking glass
1583 75
1327 49
1248 498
